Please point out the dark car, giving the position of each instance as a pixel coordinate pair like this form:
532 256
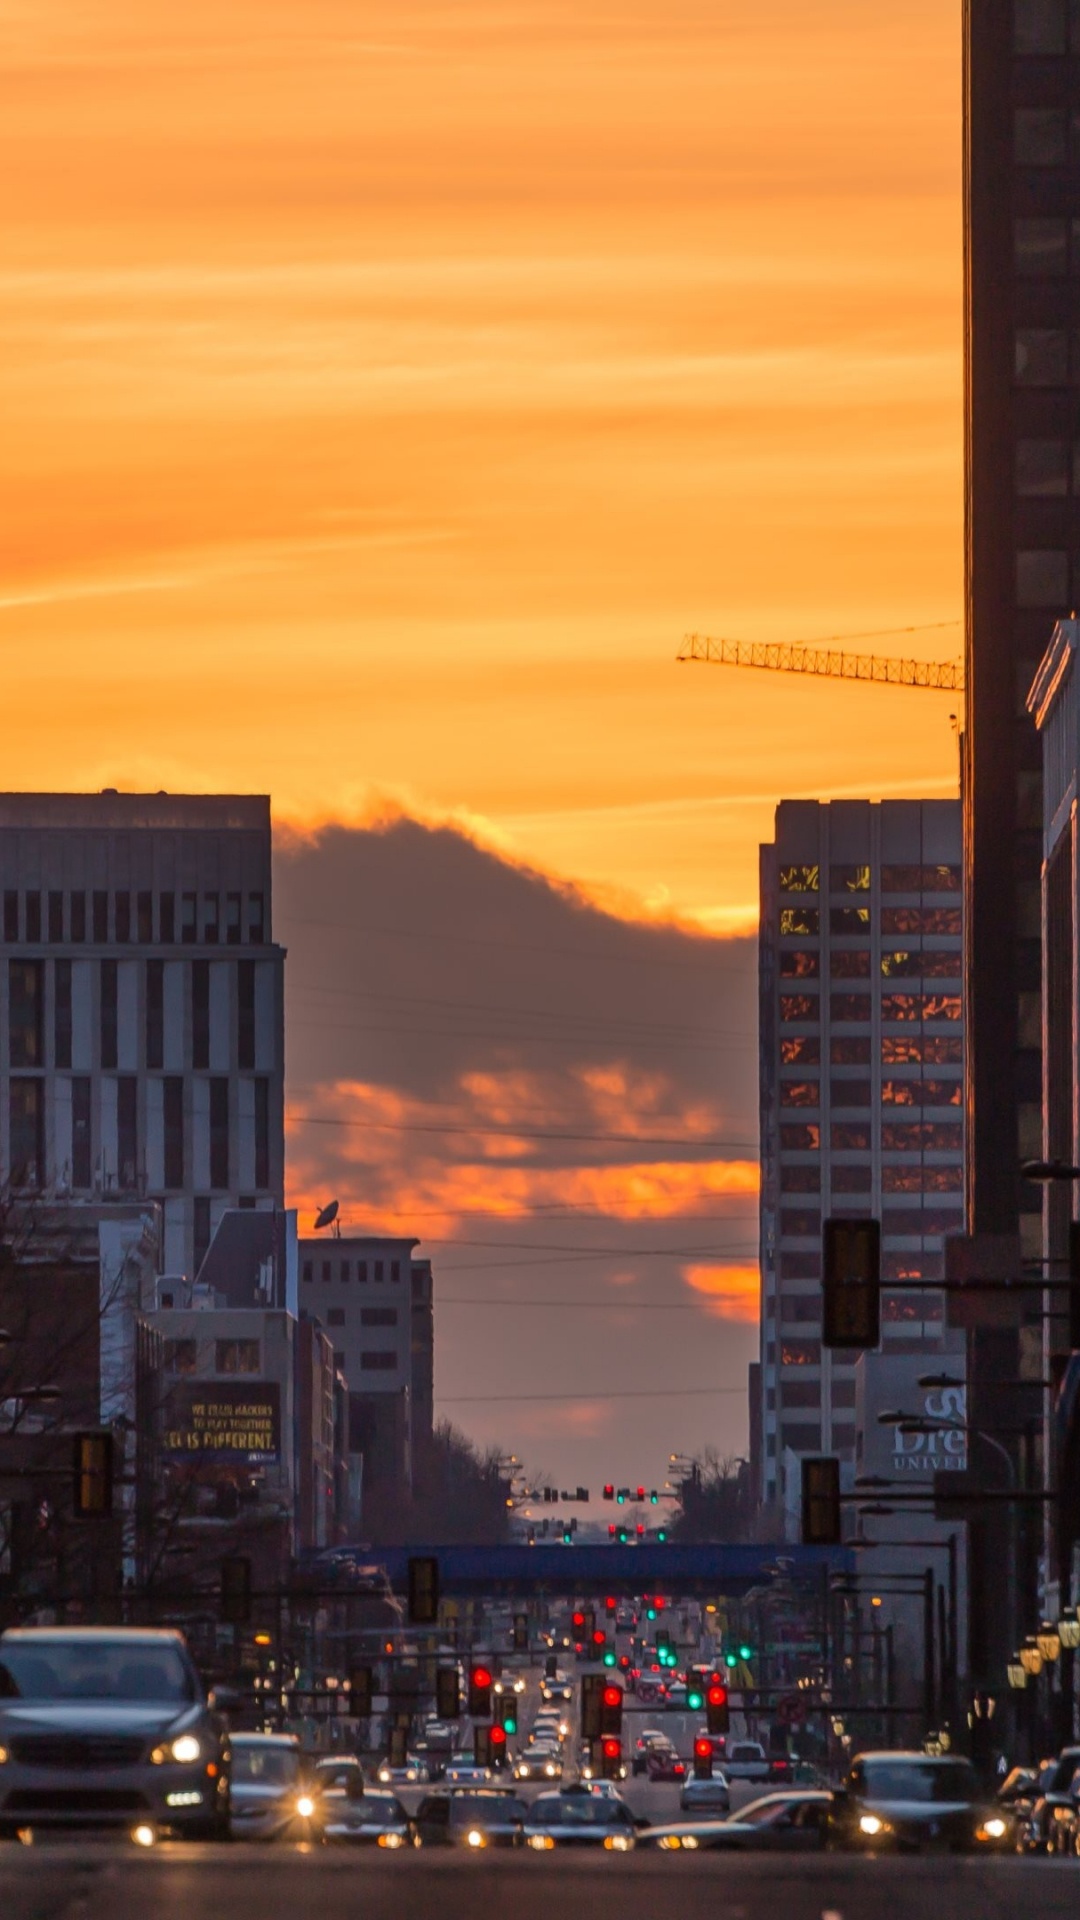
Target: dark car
663 1763
269 1799
475 1818
917 1802
109 1727
1052 1823
779 1822
579 1819
349 1810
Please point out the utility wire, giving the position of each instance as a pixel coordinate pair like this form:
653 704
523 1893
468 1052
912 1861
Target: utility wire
521 1133
586 1393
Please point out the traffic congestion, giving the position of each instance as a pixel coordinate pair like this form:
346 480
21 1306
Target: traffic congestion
539 1747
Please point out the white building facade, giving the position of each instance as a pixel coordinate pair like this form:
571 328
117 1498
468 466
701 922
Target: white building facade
141 1006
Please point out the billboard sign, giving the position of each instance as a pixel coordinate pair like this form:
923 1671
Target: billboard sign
225 1420
887 1383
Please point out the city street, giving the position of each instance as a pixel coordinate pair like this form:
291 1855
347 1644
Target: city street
98 1882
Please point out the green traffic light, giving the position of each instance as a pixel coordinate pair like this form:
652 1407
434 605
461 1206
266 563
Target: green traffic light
730 1660
695 1701
650 1613
746 1653
609 1660
662 1535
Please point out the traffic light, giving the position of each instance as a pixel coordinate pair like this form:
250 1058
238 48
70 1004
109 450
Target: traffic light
577 1628
480 1692
623 1536
399 1746
235 1587
610 1757
611 1706
521 1633
851 1285
661 1535
92 1489
821 1521
640 1529
611 1605
497 1745
641 1493
482 1749
717 1716
745 1653
447 1693
361 1691
654 1498
663 1637
695 1692
423 1579
592 1690
611 1530
506 1713
650 1611
703 1757
609 1656
599 1639
609 1490
621 1496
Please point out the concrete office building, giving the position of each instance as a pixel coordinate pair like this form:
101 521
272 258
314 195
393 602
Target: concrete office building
861 1070
141 1048
376 1303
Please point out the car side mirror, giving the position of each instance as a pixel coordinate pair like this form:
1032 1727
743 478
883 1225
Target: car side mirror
223 1699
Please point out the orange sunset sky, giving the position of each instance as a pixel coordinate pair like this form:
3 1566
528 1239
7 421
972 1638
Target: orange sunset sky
387 388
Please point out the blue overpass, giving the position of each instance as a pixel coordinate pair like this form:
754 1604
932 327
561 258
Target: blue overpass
522 1572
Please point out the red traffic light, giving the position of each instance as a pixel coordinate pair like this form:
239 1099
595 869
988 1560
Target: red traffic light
498 1736
641 1493
609 1490
610 1603
611 1748
640 1529
716 1697
703 1748
480 1677
577 1620
624 1661
611 1697
611 1529
599 1638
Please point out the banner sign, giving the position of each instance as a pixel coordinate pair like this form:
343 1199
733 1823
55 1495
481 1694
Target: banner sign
234 1420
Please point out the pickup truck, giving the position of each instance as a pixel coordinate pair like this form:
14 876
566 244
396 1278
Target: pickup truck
746 1760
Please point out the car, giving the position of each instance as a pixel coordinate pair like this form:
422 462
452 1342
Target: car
780 1822
648 1738
464 1772
606 1789
515 1684
706 1796
109 1727
476 1819
579 1818
351 1812
1052 1823
909 1802
651 1688
270 1799
663 1763
548 1720
746 1760
539 1763
556 1688
414 1773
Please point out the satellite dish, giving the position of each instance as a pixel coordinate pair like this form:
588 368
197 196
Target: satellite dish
327 1217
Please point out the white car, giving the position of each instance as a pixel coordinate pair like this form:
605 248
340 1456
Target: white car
746 1760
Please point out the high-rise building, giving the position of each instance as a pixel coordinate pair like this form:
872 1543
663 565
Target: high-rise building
1022 255
141 1006
861 1080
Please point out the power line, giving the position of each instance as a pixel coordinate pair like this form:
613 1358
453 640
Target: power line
587 1393
718 941
590 1023
529 1039
603 1306
520 1133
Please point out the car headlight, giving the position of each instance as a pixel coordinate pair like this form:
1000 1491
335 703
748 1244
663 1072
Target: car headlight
391 1840
144 1836
523 1770
677 1842
185 1749
618 1842
1060 1813
384 1774
305 1806
996 1828
474 1838
4 1756
542 1842
872 1824
550 1771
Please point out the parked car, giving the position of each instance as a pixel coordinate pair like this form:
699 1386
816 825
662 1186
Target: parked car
109 1727
909 1802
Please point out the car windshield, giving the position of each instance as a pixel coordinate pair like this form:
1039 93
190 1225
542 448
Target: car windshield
380 1813
919 1780
760 1812
480 1809
94 1670
578 1810
264 1766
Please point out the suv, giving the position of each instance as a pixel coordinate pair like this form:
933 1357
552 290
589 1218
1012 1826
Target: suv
109 1727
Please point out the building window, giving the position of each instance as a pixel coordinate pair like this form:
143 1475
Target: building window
101 919
26 1113
167 919
379 1270
33 917
155 1013
921 920
800 1266
915 1049
233 928
335 1317
200 1013
80 1133
188 918
922 1136
800 1049
794 1093
245 1013
144 918
26 998
1042 469
236 1356
395 1271
801 1222
942 1006
78 918
849 1006
802 1393
1039 26
849 1093
122 917
850 963
804 920
849 920
800 1006
850 1050
346 1271
173 1111
800 879
11 915
219 1135
1042 577
850 1136
921 1093
62 1013
800 1137
327 1272
1041 247
126 1132
1041 357
799 966
180 1356
56 917
800 1179
361 1272
262 1133
855 1179
211 917
800 1353
256 910
922 1179
378 1317
849 879
378 1362
108 1013
309 1271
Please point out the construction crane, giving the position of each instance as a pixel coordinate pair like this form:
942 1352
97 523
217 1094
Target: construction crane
827 663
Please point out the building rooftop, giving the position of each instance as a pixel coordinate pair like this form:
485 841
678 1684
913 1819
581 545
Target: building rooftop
109 810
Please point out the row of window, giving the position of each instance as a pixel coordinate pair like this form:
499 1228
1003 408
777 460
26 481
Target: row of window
847 1136
805 922
859 1006
345 1272
245 1356
854 1050
894 1266
27 1133
894 879
110 918
804 1223
853 963
896 1222
855 1136
1046 26
27 1003
1046 247
1046 137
